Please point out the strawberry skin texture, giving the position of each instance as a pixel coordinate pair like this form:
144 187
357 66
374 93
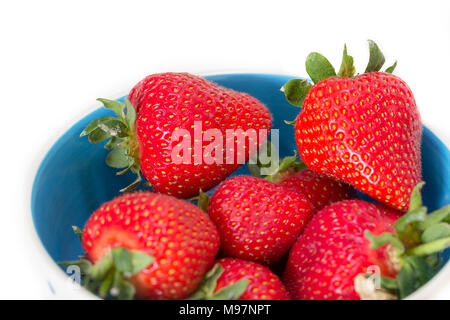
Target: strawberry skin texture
257 220
181 238
365 131
333 250
263 283
320 190
169 101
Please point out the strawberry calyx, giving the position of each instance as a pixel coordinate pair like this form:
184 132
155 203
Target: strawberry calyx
285 167
207 287
347 68
202 200
121 132
288 165
110 276
415 245
319 68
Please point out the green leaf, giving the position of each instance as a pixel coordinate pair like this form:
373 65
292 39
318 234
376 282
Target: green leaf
131 114
390 284
422 268
435 217
130 165
434 260
113 105
231 292
347 68
291 122
125 290
94 125
122 259
77 231
101 268
385 238
376 59
108 275
415 201
435 232
391 68
133 185
208 284
123 142
417 215
407 281
117 158
98 135
318 67
113 142
106 283
114 128
430 247
90 285
287 162
299 166
203 201
140 260
295 91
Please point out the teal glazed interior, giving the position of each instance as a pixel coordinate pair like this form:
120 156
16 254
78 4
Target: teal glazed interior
73 179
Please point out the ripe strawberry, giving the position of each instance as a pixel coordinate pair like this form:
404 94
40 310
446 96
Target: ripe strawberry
333 251
169 102
181 239
232 279
320 190
365 130
257 220
333 255
293 174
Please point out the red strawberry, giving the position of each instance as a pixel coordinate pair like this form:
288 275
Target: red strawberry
333 251
365 130
179 236
257 220
293 174
170 102
332 256
232 279
320 190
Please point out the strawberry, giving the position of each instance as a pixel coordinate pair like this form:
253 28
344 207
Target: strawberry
232 279
320 190
167 109
349 240
364 130
333 250
293 174
180 239
257 220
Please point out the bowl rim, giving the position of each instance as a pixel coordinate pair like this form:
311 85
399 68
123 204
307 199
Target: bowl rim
438 284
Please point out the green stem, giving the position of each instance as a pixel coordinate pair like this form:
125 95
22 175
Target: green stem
428 248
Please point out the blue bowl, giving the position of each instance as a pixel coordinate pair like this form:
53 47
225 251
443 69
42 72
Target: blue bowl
73 179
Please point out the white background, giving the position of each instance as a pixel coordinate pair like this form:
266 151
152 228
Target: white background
57 57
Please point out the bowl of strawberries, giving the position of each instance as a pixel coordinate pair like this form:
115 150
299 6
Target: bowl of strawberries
225 187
